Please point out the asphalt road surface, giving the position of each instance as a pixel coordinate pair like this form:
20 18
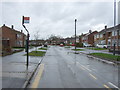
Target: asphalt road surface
63 69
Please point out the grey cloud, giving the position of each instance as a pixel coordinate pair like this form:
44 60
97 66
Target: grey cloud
58 18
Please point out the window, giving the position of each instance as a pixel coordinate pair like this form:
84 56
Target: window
98 36
101 35
114 32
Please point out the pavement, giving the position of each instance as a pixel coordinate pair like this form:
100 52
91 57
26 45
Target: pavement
14 71
88 51
61 69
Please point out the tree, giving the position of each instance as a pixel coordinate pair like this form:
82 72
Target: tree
36 37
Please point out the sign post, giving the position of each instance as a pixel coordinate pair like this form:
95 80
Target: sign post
26 20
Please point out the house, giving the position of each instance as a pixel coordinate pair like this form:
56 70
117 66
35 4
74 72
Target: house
38 42
13 37
88 38
71 40
108 36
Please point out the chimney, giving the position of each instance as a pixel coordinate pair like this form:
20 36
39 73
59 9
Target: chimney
3 24
12 27
90 31
105 27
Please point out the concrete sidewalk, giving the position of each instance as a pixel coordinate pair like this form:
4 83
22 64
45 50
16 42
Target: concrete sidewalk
14 71
88 51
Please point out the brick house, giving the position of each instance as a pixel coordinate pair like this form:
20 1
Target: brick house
106 36
71 40
12 37
88 38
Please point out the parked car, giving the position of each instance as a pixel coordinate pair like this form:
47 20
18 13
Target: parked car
61 45
45 45
101 46
86 45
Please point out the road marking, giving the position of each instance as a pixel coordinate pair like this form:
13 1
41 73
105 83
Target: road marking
92 76
86 68
38 77
112 85
107 87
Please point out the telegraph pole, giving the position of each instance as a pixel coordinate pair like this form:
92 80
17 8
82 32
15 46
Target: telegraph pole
75 33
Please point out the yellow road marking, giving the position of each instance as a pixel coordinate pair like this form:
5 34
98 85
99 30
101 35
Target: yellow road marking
107 87
38 77
92 76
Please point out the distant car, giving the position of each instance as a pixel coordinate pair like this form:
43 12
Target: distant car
72 44
61 45
101 46
86 45
45 45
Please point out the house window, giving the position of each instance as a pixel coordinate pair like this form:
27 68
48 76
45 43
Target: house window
18 35
114 32
101 35
97 36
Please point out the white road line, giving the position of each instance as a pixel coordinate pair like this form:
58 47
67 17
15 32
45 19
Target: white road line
84 67
92 76
113 85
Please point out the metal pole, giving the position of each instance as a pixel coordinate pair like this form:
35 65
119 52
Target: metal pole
114 25
27 43
27 50
75 33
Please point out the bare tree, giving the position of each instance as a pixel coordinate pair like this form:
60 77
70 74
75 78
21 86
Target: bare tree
36 37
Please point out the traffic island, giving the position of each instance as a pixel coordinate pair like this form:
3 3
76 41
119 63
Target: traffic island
97 48
108 57
78 49
42 48
36 53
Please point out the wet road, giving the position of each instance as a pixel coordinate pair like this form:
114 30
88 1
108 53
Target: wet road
61 69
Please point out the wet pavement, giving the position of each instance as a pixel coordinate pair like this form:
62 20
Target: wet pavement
64 69
14 71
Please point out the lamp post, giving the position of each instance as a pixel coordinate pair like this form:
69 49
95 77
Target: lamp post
114 25
75 33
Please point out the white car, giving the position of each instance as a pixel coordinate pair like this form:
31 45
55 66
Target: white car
101 46
86 45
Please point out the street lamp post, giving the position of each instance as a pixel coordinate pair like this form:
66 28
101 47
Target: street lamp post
75 33
114 25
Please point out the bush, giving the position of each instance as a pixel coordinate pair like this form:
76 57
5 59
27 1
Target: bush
79 45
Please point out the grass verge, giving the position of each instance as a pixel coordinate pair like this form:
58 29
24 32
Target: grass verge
42 48
78 49
106 56
97 48
36 53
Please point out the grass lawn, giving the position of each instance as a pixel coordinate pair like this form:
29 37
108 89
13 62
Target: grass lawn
97 48
78 49
106 56
36 53
42 48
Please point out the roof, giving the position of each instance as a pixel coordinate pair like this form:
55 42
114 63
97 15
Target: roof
13 29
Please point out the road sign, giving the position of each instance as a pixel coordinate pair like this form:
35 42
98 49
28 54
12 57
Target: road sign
26 19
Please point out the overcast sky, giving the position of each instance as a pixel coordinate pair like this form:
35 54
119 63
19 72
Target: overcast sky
58 17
